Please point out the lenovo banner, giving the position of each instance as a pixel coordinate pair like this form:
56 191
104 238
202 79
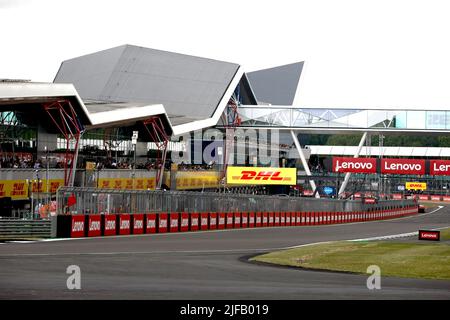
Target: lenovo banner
355 165
403 166
440 167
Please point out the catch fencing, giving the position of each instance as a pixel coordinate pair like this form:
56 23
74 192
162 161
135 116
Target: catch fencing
74 200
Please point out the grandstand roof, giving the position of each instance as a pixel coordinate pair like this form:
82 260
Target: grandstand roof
193 90
276 85
28 97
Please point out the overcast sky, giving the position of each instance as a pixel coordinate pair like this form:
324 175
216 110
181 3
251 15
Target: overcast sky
357 53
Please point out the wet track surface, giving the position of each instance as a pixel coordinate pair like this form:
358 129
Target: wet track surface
204 265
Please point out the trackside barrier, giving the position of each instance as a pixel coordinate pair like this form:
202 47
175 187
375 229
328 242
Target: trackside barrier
204 221
237 220
173 222
244 219
258 219
95 225
221 221
124 222
282 218
137 223
271 219
212 221
184 222
277 219
150 226
194 221
163 223
77 227
265 219
229 221
251 220
287 219
109 225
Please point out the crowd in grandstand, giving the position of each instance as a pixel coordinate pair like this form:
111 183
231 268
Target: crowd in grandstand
16 162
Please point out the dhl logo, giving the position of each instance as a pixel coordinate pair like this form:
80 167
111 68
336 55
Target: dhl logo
262 175
274 176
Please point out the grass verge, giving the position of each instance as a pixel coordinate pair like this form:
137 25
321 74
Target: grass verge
397 259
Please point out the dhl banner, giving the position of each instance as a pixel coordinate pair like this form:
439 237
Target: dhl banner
19 189
416 186
261 176
197 179
127 183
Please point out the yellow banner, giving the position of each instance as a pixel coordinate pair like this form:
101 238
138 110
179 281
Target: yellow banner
416 186
18 189
127 183
186 180
261 176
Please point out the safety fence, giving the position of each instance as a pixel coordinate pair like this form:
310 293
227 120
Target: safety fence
108 201
85 212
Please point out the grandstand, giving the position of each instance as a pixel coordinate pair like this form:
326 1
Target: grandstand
138 118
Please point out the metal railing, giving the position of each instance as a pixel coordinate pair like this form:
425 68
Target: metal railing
73 200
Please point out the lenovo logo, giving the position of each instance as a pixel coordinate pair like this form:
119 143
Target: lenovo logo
163 223
151 223
402 166
77 226
138 224
94 226
110 225
429 235
124 224
440 167
365 165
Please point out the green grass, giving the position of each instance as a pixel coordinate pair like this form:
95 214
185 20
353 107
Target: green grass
445 234
399 259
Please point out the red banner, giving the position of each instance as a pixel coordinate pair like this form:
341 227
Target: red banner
244 219
357 165
440 167
403 166
251 220
184 224
151 223
237 220
429 235
124 224
77 229
138 223
213 221
110 225
94 225
173 217
194 221
229 221
204 217
162 222
221 221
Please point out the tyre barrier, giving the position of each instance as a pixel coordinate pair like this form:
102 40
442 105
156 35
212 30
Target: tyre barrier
96 225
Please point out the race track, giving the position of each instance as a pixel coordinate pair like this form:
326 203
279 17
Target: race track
204 265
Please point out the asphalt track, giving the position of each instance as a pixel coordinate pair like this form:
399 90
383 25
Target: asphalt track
204 265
